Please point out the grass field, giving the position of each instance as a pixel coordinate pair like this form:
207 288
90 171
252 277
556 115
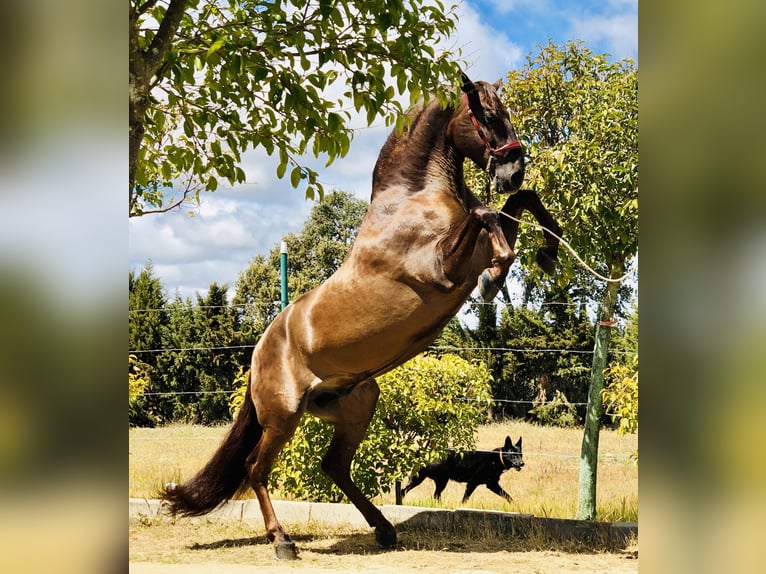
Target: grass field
546 486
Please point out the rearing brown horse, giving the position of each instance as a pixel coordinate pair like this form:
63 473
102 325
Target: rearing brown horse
424 243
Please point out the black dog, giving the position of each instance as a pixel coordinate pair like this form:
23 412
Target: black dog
475 468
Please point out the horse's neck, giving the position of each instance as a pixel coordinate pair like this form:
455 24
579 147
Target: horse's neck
420 155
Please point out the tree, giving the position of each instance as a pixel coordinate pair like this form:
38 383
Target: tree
217 327
314 254
620 395
578 116
179 365
146 304
209 80
148 319
200 361
543 367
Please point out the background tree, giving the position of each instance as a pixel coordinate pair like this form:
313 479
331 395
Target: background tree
138 380
148 319
314 254
578 116
218 331
621 392
146 305
209 80
551 358
179 364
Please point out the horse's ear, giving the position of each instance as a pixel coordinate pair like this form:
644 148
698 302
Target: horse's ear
469 89
467 84
499 84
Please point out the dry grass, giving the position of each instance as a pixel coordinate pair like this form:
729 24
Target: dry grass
547 486
211 545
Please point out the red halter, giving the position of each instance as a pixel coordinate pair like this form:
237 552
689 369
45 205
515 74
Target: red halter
502 150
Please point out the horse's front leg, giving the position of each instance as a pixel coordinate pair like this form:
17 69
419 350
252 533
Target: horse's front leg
529 200
492 279
457 255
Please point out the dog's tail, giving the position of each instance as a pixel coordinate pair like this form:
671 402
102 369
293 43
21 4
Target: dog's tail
224 474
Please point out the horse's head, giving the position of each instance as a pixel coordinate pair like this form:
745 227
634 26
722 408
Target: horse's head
482 131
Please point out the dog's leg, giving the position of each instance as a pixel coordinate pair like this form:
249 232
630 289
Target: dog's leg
469 490
441 483
415 481
497 489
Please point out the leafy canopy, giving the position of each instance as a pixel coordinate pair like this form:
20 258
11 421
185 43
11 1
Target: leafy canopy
212 79
577 114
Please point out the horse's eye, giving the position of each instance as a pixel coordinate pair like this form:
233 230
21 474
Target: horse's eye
490 117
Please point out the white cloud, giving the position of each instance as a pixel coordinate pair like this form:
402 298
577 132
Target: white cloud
488 49
231 226
508 6
619 32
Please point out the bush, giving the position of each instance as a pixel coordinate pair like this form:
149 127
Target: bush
425 407
620 396
138 381
556 412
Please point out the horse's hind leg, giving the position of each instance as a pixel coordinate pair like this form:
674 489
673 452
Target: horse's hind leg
277 431
351 414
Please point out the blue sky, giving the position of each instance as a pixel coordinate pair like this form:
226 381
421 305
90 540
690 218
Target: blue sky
234 224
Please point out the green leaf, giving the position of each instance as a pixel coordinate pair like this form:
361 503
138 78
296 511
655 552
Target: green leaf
282 167
295 176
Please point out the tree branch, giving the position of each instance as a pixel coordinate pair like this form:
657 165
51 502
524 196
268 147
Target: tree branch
146 6
162 40
190 187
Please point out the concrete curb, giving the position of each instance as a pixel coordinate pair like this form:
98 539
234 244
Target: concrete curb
405 517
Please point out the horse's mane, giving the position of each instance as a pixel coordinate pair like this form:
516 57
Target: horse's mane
406 154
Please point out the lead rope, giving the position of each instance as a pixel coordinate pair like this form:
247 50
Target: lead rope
571 250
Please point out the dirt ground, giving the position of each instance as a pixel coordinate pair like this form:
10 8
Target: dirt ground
207 547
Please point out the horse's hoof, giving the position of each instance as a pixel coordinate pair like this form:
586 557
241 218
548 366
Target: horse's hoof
286 550
487 288
545 261
385 536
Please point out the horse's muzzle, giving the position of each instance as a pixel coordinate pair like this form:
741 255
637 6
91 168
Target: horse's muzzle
510 176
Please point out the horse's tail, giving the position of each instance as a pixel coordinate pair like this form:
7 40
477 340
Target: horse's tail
224 473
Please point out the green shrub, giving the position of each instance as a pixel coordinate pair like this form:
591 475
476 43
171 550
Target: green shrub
138 381
425 407
620 396
556 412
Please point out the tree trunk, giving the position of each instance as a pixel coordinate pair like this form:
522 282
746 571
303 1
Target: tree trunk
586 503
142 66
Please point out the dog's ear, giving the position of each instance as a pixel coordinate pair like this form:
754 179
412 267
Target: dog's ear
518 444
508 443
